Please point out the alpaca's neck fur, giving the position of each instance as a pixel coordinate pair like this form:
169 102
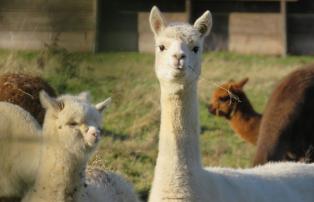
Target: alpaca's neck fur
246 121
179 154
19 150
61 173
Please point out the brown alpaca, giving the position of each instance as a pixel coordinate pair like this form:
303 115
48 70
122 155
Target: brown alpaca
287 126
230 101
23 90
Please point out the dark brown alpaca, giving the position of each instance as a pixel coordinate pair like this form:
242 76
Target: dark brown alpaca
22 90
287 126
230 101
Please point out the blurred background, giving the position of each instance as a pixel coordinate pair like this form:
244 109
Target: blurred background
246 26
106 47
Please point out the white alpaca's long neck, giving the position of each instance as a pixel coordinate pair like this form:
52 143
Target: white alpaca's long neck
179 154
60 174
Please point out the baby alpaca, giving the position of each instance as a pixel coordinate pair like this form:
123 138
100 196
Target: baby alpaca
70 134
286 131
23 90
230 101
179 175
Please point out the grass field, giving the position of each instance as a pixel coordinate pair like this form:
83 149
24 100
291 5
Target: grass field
132 122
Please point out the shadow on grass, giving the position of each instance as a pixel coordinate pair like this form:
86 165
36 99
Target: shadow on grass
207 129
143 195
114 135
10 199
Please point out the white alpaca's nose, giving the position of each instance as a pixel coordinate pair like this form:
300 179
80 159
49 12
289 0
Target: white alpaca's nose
178 60
179 56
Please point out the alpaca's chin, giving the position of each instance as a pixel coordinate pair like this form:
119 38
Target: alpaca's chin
171 73
175 76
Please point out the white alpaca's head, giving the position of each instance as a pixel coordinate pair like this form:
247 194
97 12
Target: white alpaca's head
179 47
76 122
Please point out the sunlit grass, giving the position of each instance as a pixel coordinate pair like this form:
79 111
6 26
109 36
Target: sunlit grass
132 122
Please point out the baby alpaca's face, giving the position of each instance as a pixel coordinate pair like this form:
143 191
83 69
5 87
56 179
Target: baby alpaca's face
79 124
76 124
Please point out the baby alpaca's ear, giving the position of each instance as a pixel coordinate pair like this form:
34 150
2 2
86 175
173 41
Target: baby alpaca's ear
157 23
103 105
48 102
204 23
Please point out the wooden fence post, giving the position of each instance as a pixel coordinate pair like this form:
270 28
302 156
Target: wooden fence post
189 10
283 12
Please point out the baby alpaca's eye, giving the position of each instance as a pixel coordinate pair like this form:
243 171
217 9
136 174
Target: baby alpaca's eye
195 49
161 47
73 123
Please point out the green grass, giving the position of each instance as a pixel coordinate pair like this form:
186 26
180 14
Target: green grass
132 122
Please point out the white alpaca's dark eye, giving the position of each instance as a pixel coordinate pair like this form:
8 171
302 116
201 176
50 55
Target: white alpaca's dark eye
162 47
195 49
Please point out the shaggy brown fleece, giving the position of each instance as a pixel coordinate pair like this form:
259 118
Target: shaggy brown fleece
287 127
23 90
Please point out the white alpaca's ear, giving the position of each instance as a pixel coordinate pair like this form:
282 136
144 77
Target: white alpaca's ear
85 96
103 105
204 23
48 102
157 23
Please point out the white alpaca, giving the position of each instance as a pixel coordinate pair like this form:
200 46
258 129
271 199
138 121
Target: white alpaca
70 133
179 175
20 137
20 152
